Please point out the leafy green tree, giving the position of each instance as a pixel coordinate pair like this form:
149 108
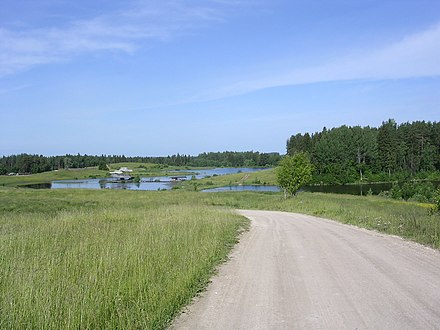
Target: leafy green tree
387 141
294 172
3 170
102 166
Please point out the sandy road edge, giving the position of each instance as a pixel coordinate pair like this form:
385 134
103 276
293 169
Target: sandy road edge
186 311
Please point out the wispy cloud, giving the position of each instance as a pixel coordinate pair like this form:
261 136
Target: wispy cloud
415 55
122 31
13 89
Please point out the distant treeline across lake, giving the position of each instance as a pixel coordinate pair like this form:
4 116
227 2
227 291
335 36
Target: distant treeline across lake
25 163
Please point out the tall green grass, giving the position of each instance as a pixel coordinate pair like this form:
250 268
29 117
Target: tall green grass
124 260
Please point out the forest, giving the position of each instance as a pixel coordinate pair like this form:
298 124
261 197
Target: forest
356 154
25 163
345 154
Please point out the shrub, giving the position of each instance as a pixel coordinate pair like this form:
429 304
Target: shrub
436 199
102 166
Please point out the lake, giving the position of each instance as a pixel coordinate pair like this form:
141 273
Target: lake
147 183
167 183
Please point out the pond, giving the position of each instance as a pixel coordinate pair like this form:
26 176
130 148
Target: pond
350 189
353 189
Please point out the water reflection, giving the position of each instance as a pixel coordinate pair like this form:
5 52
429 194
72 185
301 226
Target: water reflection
351 189
244 188
110 183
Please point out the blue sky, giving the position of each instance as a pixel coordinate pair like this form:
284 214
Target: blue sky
161 77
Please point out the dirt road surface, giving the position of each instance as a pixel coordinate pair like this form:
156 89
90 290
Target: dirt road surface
293 271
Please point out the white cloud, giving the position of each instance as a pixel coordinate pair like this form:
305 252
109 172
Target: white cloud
122 31
416 55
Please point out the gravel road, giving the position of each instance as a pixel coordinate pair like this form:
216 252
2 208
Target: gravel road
293 271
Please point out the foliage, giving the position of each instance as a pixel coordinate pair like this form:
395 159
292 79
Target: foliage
25 163
294 172
349 154
436 200
102 166
422 192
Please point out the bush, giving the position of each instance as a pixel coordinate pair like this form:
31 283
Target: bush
395 191
102 166
407 191
436 200
418 191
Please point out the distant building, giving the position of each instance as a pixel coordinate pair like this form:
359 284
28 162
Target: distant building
120 174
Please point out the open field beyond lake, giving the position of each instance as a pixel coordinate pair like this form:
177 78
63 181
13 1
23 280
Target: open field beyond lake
127 259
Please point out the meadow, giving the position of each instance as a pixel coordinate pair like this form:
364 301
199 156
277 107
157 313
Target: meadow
132 259
106 259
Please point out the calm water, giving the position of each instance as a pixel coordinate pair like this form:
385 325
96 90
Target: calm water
352 189
110 183
147 183
244 188
357 189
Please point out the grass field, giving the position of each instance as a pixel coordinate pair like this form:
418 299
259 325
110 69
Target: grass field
105 259
131 259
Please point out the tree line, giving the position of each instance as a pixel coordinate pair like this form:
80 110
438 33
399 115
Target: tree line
25 163
390 152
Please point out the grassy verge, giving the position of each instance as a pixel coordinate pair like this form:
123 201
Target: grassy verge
106 259
406 219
